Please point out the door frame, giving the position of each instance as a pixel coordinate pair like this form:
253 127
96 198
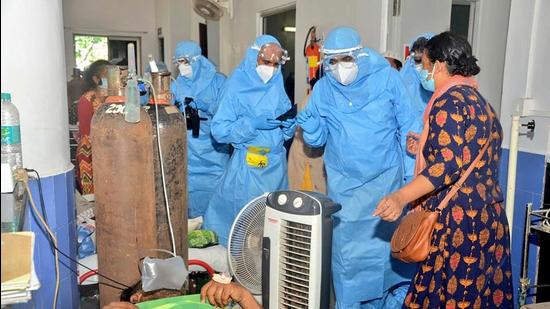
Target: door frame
271 11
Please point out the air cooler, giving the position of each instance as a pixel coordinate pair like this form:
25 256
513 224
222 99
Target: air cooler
280 249
296 250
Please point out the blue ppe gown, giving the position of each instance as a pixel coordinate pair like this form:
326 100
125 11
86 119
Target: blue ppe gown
206 159
419 95
245 98
363 127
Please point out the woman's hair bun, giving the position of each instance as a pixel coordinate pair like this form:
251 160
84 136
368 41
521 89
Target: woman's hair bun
455 51
466 66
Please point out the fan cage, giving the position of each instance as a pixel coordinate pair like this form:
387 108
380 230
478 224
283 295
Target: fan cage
245 245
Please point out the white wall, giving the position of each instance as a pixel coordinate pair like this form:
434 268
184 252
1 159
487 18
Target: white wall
418 17
162 21
195 19
489 47
363 15
490 34
37 81
526 70
132 18
127 18
238 33
174 17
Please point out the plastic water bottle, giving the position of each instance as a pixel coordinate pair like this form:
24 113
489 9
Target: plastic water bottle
11 134
132 104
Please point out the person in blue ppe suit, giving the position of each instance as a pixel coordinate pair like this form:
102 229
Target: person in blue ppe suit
254 96
414 77
199 82
412 70
361 111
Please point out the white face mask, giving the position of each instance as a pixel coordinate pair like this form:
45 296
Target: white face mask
345 74
185 70
265 72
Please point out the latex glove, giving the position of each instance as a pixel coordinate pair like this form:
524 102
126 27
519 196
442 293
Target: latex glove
264 123
308 123
289 123
199 104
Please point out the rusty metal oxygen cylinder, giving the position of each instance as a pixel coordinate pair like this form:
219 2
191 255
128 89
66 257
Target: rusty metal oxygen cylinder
173 141
130 210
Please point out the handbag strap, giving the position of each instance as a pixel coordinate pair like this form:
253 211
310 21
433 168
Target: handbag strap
457 185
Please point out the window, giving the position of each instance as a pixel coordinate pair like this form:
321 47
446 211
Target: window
89 48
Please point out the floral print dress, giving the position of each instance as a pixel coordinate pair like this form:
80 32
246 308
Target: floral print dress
469 262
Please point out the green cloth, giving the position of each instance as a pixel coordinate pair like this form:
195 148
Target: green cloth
202 239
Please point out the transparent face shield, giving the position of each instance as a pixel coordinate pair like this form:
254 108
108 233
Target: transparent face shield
271 54
344 60
188 60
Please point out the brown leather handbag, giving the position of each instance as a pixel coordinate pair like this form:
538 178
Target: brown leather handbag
412 239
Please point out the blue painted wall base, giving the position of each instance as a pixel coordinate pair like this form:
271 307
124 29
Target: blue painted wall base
60 211
529 189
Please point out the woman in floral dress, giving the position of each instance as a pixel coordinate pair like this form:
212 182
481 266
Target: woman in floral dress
469 261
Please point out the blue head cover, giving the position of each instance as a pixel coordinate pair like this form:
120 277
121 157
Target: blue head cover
248 65
341 39
187 49
364 88
203 70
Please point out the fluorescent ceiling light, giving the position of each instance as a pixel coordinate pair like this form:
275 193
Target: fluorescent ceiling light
289 29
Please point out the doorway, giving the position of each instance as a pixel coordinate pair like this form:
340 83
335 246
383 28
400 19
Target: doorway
463 14
282 25
203 39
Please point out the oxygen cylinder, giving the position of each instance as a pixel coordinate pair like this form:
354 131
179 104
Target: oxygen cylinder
173 141
130 210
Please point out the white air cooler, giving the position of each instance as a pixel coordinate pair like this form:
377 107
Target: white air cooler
296 254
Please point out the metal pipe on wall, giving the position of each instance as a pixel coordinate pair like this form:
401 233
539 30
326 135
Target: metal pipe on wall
512 166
